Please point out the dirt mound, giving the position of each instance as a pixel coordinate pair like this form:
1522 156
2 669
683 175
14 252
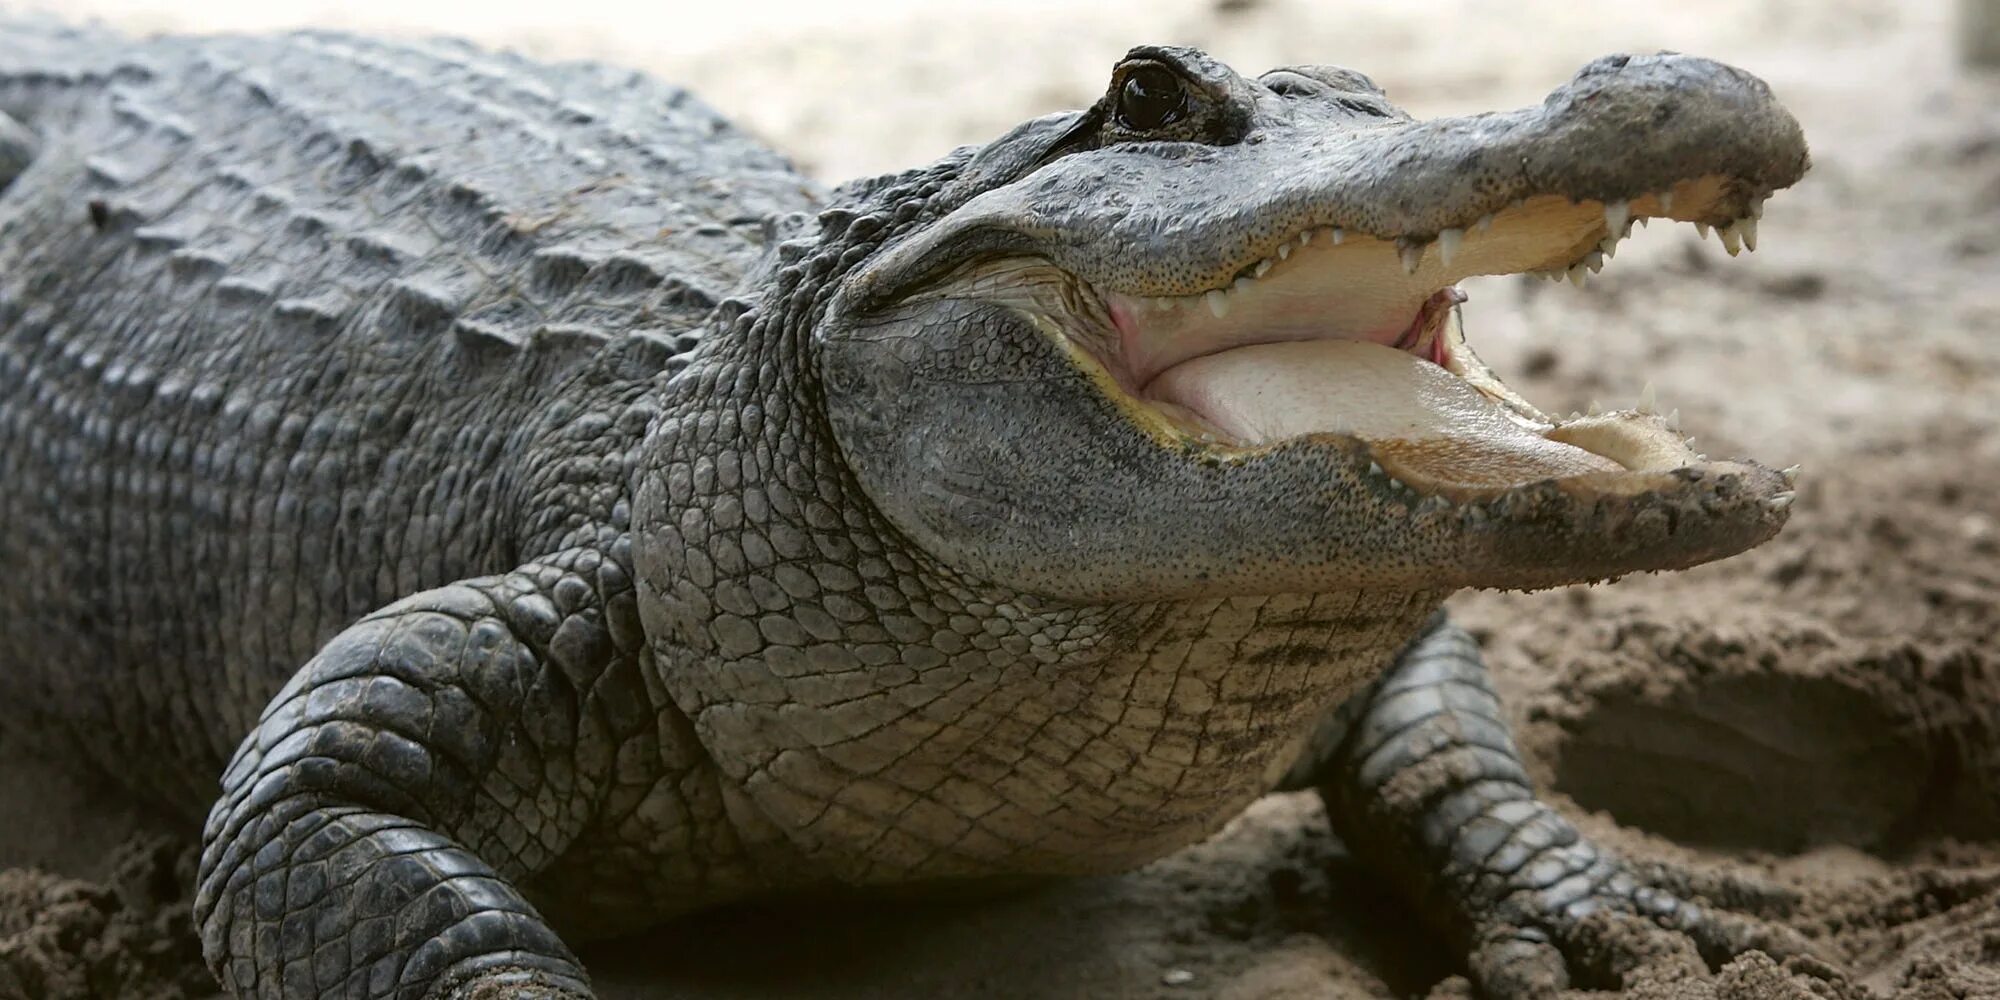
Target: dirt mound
129 939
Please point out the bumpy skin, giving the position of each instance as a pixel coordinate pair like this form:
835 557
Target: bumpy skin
491 394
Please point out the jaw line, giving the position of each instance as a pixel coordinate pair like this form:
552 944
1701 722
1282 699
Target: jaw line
1099 328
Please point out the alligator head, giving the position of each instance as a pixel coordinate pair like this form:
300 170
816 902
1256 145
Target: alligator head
1203 338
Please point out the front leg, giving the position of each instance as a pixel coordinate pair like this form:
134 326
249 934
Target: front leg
1423 782
373 826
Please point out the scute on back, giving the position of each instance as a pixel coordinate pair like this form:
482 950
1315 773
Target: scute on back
273 308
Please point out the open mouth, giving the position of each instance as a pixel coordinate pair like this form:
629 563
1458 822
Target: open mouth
1336 332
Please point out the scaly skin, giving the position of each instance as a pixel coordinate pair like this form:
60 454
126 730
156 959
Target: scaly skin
582 532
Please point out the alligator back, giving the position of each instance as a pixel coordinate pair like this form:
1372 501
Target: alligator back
276 315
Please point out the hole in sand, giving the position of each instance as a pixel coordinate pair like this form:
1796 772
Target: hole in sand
1762 752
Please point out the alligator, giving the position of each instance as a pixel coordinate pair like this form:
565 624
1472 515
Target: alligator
514 506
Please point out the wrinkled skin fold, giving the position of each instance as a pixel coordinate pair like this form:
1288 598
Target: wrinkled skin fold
546 513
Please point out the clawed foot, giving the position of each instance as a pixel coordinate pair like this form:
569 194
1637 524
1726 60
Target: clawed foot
1616 925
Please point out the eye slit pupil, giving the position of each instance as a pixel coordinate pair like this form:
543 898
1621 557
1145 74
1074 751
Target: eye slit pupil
1152 97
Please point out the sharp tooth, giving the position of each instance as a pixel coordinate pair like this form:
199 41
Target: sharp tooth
1791 475
1673 421
1782 500
1596 407
1702 229
1162 304
1243 284
1666 199
1608 247
1594 260
1648 398
1748 227
1576 275
1448 241
1646 221
1375 469
1334 235
1732 240
1218 303
1413 257
1486 222
1757 206
1305 237
1284 250
1616 214
1263 268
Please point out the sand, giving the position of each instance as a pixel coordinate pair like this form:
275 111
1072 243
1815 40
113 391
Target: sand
1821 714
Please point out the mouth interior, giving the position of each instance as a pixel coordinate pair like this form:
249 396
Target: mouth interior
1342 333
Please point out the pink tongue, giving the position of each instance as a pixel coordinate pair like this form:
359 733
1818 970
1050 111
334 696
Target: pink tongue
1415 414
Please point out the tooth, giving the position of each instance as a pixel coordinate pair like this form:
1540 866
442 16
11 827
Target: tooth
1782 500
1375 469
1757 206
1576 275
1701 228
1616 213
1263 268
1162 304
1413 256
1673 421
1732 240
1243 284
1608 247
1596 407
1218 303
1448 241
1646 221
1284 250
1666 199
1305 237
1486 222
1648 398
1335 235
1748 227
1593 260
1791 475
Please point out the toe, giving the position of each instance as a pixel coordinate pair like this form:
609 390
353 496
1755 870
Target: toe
1518 963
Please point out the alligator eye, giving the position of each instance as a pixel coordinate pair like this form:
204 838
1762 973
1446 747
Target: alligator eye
1152 97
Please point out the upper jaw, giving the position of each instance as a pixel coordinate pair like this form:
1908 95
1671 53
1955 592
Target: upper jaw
1664 135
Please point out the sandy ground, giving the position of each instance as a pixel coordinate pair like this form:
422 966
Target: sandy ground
1823 713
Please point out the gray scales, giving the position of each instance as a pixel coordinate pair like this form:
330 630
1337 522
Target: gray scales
515 507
